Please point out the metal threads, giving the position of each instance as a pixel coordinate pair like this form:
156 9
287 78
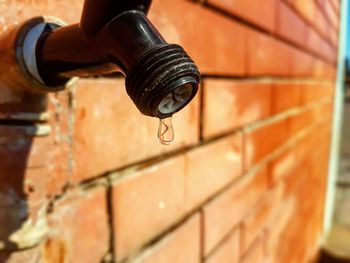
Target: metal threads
159 72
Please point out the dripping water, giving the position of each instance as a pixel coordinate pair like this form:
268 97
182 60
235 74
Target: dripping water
166 131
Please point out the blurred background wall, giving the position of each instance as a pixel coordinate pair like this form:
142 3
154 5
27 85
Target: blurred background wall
83 177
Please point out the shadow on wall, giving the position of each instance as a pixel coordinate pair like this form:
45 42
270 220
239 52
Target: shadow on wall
23 170
326 257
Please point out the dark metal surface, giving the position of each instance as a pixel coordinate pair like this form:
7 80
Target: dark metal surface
97 13
65 52
117 36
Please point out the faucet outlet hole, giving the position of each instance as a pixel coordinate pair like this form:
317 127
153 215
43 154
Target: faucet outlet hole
176 99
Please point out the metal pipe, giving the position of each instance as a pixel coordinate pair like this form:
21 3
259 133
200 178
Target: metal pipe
65 52
97 13
161 78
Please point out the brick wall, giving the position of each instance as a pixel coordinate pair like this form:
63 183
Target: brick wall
84 179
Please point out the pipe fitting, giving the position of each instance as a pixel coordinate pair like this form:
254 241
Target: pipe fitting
18 51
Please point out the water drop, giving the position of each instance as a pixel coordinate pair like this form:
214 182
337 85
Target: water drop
166 131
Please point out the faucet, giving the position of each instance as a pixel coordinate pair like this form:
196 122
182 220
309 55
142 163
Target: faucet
112 36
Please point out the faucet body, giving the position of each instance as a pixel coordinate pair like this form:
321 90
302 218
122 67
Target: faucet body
97 14
66 52
114 36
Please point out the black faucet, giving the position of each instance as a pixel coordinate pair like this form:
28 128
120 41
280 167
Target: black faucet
113 36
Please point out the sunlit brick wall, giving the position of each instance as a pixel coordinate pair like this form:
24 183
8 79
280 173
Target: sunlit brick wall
83 178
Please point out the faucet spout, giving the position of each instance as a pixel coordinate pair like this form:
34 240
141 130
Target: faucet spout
161 78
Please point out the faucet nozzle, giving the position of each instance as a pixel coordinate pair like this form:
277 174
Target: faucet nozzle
161 78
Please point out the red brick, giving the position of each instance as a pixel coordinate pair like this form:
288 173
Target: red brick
256 220
291 181
255 252
262 13
335 5
319 70
300 121
289 25
285 96
261 141
334 38
302 64
111 133
307 215
228 251
24 167
306 9
34 167
216 43
321 23
315 92
327 51
325 110
319 159
326 7
314 42
68 11
226 210
60 169
283 164
231 104
267 56
153 197
182 245
315 16
279 221
331 53
61 152
211 167
330 72
323 70
309 11
79 224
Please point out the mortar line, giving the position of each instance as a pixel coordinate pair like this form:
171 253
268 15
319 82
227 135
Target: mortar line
222 241
201 111
117 174
285 115
112 240
202 235
307 22
334 10
198 208
159 238
258 78
296 12
269 79
326 16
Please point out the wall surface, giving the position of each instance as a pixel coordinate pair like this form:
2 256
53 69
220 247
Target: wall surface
84 179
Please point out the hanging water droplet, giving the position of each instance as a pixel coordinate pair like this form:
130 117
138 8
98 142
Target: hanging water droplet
166 131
